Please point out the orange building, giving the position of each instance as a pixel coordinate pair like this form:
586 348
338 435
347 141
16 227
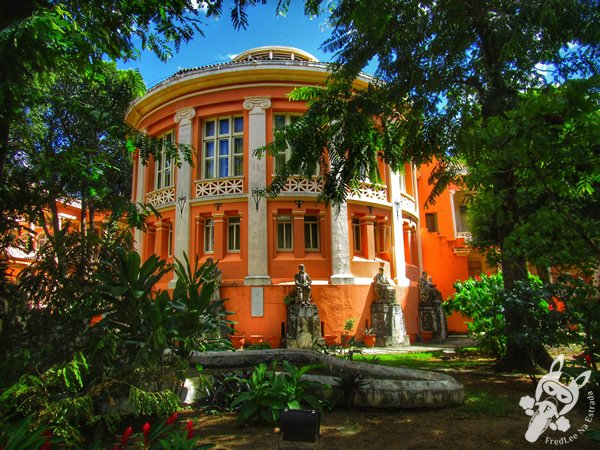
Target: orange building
34 236
213 207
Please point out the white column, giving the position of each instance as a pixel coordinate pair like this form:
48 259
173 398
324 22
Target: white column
258 271
340 246
453 210
183 117
140 197
417 212
398 229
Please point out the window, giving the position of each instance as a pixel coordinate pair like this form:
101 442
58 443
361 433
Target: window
311 233
223 147
164 165
356 233
284 232
461 223
233 234
431 222
281 121
170 241
209 236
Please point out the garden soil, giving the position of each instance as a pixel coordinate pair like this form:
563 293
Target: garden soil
490 419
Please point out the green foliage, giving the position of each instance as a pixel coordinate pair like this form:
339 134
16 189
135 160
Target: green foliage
271 391
55 399
137 356
220 390
480 301
146 403
146 337
20 435
484 300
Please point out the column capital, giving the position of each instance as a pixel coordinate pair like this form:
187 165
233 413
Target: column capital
184 116
257 105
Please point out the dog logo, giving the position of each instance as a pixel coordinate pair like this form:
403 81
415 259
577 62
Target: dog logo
553 400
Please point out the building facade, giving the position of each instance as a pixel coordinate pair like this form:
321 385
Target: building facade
213 208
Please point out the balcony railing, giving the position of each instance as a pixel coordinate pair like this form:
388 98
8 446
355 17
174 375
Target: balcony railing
161 197
369 191
302 185
407 203
465 234
219 186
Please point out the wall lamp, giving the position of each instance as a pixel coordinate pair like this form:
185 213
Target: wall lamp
181 203
370 208
299 203
217 205
257 194
397 205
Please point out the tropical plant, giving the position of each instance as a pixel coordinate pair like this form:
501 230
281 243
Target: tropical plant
144 342
270 391
20 434
483 301
56 400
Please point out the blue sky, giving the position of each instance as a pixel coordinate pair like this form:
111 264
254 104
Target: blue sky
222 41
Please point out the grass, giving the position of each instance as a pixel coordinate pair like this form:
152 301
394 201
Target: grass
465 359
486 404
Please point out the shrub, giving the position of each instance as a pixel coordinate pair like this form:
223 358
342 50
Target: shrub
271 391
483 300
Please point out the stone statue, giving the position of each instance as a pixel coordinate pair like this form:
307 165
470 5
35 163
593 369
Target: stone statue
381 284
428 293
218 277
431 316
384 291
303 286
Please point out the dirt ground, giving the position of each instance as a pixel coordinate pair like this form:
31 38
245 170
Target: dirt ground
490 419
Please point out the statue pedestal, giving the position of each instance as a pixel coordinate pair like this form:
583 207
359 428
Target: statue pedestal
432 320
303 326
388 324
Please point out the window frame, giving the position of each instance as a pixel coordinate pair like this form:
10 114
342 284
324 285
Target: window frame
163 166
286 221
234 223
311 231
431 222
357 235
234 141
289 118
170 241
209 235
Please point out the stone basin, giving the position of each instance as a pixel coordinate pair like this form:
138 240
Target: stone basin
384 387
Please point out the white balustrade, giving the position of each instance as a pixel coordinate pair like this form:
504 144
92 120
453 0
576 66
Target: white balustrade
368 191
161 197
219 186
303 185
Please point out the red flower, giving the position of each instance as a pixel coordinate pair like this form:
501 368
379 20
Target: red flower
588 358
46 445
146 431
172 419
189 427
125 436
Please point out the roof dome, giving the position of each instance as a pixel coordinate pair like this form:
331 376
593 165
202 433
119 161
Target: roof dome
274 53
